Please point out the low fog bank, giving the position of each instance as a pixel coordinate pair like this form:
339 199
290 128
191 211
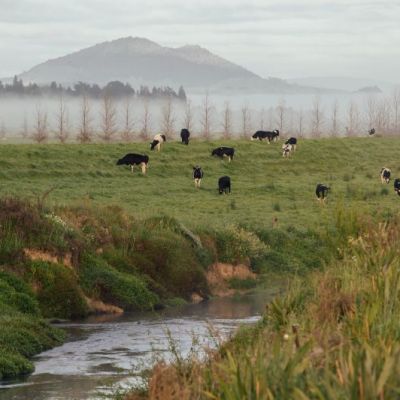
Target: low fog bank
86 119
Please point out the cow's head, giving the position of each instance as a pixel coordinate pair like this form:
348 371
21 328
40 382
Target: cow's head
153 144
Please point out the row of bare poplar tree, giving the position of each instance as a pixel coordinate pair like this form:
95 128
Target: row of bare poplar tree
205 121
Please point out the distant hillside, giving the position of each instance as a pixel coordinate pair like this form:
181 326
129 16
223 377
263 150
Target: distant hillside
140 61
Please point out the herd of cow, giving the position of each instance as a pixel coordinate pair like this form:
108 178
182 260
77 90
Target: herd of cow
224 182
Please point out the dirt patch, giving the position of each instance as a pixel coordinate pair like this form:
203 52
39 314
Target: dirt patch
196 298
219 275
40 255
98 307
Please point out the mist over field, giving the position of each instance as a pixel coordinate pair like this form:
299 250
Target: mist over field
235 116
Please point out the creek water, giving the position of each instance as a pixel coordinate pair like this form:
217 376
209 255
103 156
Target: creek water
105 354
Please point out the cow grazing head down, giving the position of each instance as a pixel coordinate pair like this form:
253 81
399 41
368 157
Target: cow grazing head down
197 176
371 132
321 191
224 185
157 141
133 159
224 152
385 175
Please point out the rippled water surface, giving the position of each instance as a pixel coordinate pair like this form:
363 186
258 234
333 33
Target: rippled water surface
105 353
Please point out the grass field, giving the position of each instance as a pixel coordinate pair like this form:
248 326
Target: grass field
264 185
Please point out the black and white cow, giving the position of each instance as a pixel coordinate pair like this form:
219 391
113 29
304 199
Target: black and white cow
371 132
224 185
157 140
133 159
286 150
269 135
321 191
197 176
185 135
293 142
224 152
385 175
396 185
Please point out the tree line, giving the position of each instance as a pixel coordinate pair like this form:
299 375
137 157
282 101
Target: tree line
127 120
115 89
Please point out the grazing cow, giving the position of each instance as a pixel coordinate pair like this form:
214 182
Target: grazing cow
157 140
385 175
135 159
293 142
224 152
322 191
269 135
371 132
185 134
286 150
224 185
397 186
197 176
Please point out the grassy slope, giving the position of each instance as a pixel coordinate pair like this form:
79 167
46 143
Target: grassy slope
262 182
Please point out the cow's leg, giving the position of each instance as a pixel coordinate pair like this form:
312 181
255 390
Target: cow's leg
132 168
199 183
158 146
229 158
143 166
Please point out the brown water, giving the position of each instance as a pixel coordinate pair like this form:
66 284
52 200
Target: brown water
104 354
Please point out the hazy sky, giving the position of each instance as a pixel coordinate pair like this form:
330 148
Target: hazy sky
285 38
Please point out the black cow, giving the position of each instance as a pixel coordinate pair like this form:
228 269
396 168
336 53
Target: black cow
371 132
133 159
293 142
197 176
322 191
385 175
224 152
157 140
269 135
224 185
185 134
396 185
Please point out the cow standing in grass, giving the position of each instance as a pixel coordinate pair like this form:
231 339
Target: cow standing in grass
396 186
286 150
224 185
224 152
269 135
157 141
133 159
197 176
293 142
321 192
385 175
185 135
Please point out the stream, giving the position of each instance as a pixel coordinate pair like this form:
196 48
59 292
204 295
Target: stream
104 354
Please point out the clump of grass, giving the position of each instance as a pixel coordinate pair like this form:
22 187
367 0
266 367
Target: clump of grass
276 207
384 191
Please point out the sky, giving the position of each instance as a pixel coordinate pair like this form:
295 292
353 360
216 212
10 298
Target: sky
280 38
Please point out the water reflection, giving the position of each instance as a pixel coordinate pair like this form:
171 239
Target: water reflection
107 350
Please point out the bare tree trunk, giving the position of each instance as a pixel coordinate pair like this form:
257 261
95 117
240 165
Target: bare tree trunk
316 118
262 119
205 121
188 117
335 119
145 129
281 114
85 134
62 132
168 118
246 122
383 116
271 118
300 123
353 119
108 119
41 131
127 134
227 121
25 128
371 112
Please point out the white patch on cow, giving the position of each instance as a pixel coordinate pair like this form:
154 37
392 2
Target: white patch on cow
383 178
197 182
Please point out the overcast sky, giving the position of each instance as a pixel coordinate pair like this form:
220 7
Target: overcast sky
282 38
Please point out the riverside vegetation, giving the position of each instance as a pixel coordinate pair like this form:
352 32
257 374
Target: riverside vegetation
66 252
